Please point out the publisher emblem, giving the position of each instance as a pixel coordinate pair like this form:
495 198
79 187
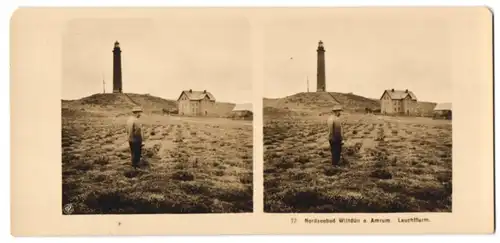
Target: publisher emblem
68 208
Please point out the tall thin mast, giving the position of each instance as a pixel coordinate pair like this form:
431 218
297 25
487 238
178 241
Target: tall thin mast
103 84
307 84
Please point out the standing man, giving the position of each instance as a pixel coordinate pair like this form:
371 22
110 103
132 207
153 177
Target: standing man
135 136
335 134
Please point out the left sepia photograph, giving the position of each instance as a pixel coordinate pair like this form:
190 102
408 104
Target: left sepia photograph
157 115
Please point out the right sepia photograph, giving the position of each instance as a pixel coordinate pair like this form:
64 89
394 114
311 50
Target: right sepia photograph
357 113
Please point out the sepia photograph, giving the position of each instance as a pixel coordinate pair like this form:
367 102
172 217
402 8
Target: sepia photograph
358 114
251 121
157 115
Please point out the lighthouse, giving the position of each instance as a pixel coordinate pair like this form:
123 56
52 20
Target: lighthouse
117 69
321 86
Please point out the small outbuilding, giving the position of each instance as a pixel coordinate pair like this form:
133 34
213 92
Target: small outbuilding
442 111
242 111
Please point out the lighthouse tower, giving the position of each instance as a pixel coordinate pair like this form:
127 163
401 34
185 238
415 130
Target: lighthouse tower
321 86
117 69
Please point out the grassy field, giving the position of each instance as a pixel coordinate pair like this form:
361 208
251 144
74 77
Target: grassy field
191 165
389 164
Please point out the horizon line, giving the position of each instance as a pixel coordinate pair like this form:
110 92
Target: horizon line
264 97
161 97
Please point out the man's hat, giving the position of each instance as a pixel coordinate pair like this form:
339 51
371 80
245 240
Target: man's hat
337 108
137 109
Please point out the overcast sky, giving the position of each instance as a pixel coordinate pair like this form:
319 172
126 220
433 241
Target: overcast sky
160 56
365 54
367 51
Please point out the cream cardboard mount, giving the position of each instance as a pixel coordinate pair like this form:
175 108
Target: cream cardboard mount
234 124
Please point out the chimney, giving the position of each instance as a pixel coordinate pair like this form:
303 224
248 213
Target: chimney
406 91
204 91
190 91
392 90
